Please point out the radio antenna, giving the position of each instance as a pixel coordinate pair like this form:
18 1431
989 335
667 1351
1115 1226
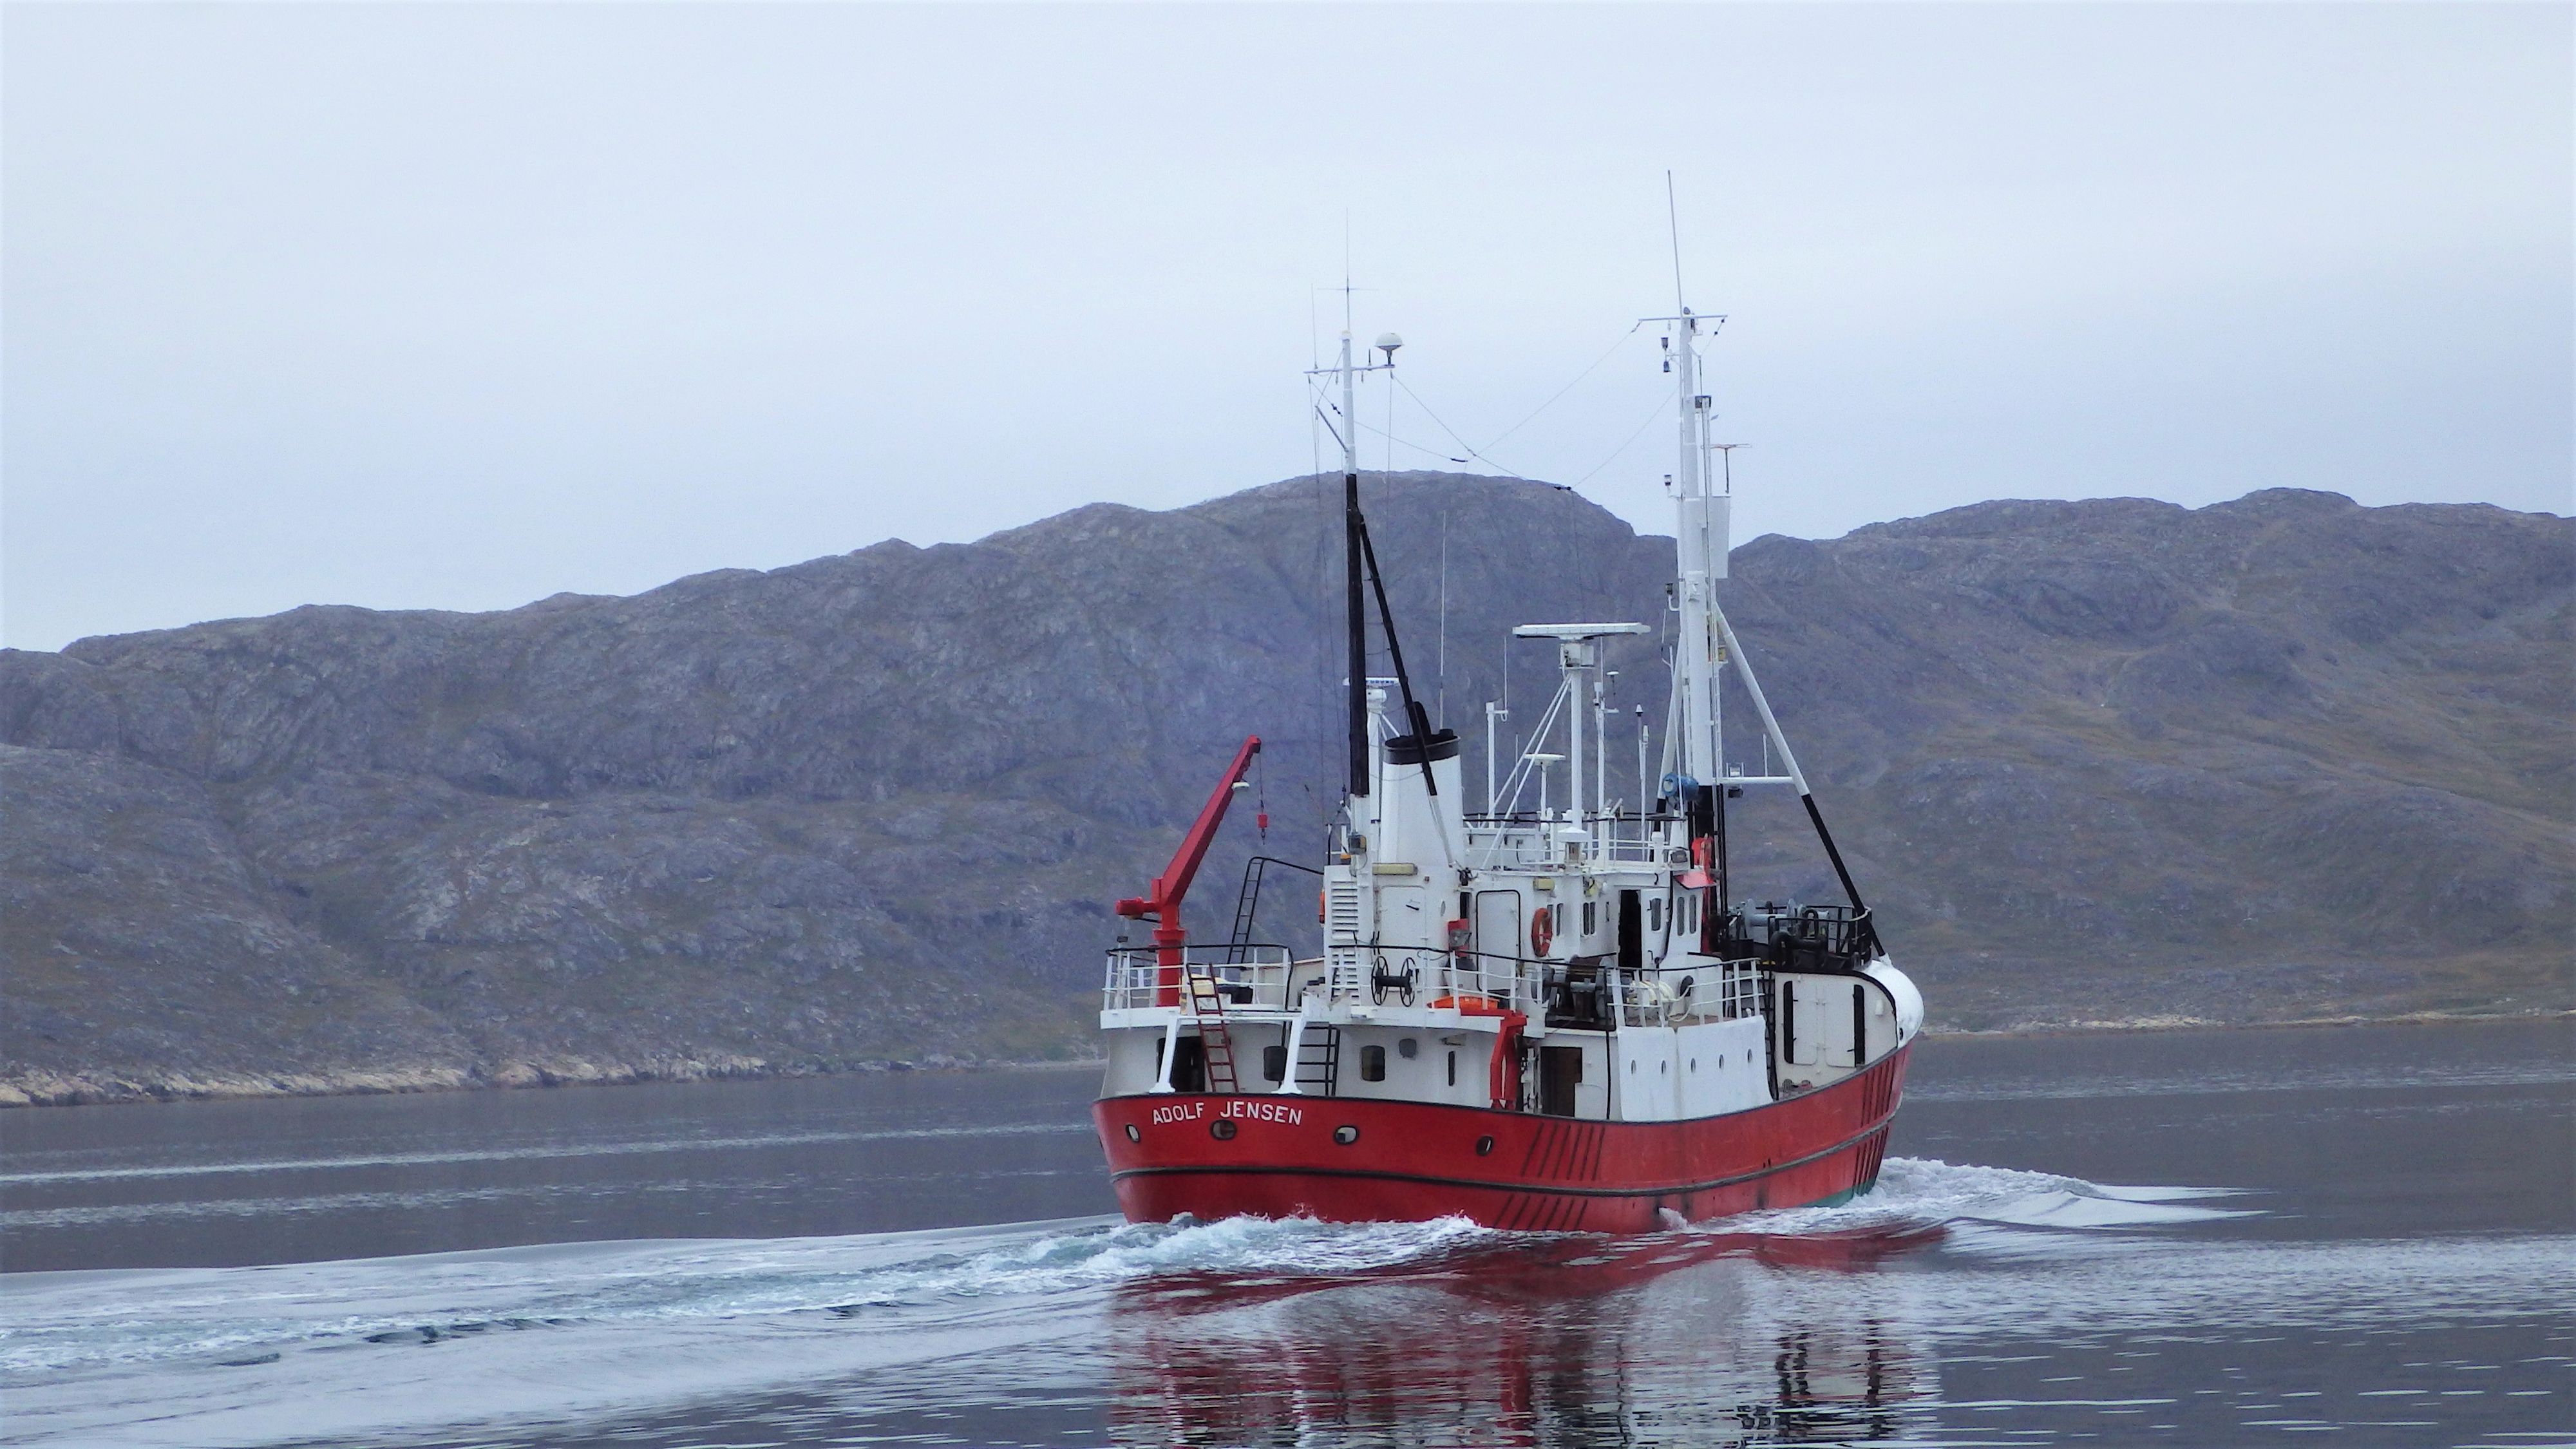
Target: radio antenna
1673 214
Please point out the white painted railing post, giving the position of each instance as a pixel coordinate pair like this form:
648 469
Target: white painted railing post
1171 1052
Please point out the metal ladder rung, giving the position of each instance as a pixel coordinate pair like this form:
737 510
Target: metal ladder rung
1319 1060
1216 1044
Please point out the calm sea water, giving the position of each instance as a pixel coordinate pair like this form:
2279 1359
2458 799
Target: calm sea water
2182 1238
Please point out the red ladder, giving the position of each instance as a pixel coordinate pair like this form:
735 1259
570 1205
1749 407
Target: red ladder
1207 1004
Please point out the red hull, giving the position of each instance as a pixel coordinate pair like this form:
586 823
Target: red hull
1416 1160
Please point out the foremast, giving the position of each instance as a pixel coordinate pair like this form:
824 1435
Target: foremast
1396 820
1704 644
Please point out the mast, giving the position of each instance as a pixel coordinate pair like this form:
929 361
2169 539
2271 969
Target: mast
1359 568
1704 643
1352 609
1700 548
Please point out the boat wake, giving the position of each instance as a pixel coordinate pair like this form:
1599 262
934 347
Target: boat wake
1929 1192
256 1355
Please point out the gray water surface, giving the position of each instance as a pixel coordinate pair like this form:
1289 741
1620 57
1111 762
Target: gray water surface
2367 1234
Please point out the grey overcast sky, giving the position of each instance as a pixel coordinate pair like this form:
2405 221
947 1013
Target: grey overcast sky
457 306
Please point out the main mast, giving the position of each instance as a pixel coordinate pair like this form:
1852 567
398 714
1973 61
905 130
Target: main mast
1700 539
1704 644
1355 619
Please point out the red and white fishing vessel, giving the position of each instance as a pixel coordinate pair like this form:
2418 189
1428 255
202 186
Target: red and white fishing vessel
1541 1015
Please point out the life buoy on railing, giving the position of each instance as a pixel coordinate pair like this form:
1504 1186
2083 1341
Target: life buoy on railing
1542 930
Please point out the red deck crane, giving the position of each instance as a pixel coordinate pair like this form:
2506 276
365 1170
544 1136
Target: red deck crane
1163 907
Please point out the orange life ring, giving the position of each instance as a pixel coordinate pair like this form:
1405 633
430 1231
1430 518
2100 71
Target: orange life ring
1542 930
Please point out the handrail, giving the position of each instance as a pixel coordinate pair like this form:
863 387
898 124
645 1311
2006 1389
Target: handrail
1667 995
1272 978
1136 976
1247 899
1814 937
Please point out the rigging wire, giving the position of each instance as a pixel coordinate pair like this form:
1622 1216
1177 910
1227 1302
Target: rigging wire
1508 470
1483 454
1569 387
1327 421
1444 619
1651 414
1408 442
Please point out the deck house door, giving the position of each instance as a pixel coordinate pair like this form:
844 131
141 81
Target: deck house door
1498 932
1560 1071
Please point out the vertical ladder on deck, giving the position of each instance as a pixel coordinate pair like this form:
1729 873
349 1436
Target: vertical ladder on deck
1318 1068
1246 902
1342 941
1216 1047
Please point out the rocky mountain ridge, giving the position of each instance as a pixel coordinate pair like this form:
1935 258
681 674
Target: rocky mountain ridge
2114 760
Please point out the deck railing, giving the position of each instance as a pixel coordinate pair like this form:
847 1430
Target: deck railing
1807 938
1251 974
1706 991
1529 841
1269 979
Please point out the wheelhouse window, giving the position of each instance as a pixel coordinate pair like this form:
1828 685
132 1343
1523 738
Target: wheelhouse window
1372 1064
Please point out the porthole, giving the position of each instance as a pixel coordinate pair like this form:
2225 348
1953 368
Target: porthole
1694 1064
1346 1134
1632 1069
1133 1135
1221 1130
1484 1147
1662 1068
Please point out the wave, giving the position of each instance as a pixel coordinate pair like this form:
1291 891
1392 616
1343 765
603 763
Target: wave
61 1321
1931 1193
524 1341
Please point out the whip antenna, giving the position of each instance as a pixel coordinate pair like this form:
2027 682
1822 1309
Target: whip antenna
1673 214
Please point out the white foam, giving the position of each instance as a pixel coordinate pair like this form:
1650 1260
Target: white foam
245 1355
60 1321
1913 1191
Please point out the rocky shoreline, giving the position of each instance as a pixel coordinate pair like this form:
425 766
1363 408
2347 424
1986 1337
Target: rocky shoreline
47 1089
2113 762
52 1089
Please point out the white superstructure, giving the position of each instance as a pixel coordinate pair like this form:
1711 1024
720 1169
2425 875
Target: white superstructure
1571 947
